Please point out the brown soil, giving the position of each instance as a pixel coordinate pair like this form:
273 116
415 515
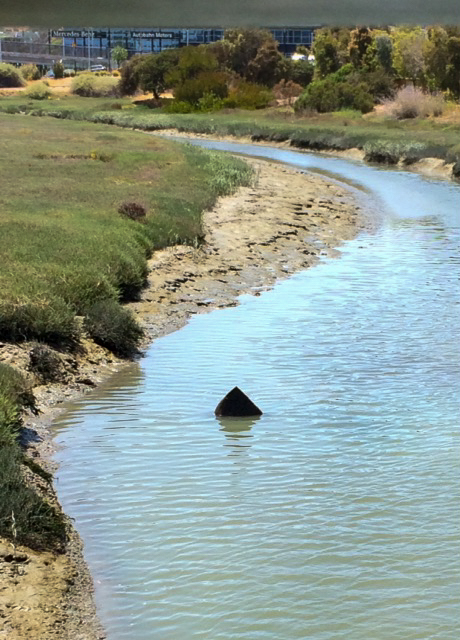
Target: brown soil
283 223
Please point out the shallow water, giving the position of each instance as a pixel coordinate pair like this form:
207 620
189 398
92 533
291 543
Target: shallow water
335 514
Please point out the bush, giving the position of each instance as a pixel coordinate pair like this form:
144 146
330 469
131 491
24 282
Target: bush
50 320
10 420
37 524
133 211
178 107
411 102
39 91
45 364
320 95
343 89
113 327
301 72
14 385
30 72
89 85
248 95
210 102
15 394
205 83
379 83
287 90
58 70
10 76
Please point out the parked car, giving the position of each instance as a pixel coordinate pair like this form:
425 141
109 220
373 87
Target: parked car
98 67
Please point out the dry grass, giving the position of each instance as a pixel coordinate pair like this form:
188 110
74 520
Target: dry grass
411 102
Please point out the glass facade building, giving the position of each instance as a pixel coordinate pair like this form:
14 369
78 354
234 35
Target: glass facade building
154 40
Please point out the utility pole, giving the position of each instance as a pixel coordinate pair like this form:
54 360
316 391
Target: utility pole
89 48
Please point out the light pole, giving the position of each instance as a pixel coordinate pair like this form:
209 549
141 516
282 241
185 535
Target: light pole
89 48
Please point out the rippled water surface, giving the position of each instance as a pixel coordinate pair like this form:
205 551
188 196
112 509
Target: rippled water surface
334 515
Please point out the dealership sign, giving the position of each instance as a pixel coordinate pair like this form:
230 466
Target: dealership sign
76 33
72 33
154 34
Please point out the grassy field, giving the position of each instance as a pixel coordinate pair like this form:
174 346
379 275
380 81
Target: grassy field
382 139
70 258
64 245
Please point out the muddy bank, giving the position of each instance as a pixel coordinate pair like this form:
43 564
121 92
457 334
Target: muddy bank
283 223
431 167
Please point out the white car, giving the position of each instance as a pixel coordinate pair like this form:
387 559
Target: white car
97 67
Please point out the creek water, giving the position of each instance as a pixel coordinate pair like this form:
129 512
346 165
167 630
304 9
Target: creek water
333 515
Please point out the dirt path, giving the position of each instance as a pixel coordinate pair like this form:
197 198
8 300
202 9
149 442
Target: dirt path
263 233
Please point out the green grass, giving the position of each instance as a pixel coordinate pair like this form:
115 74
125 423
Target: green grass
64 245
417 138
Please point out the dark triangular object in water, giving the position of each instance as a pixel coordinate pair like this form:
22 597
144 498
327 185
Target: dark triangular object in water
237 404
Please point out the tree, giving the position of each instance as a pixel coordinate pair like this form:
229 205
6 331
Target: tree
239 47
360 41
384 51
153 70
408 58
436 57
453 66
326 52
252 54
129 80
119 54
301 72
191 62
268 66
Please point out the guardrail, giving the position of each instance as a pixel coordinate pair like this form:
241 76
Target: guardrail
46 54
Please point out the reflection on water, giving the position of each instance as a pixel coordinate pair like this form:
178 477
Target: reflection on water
237 432
333 515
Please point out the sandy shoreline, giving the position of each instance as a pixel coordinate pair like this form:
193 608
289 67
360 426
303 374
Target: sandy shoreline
283 223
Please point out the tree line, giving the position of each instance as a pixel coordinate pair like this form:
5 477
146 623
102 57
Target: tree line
347 67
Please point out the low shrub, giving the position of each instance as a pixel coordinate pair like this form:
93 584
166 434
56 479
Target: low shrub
25 516
14 385
226 177
30 72
411 102
205 83
175 106
11 76
10 420
339 90
248 95
113 327
15 394
39 91
89 85
50 320
287 91
46 364
58 70
133 211
209 102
